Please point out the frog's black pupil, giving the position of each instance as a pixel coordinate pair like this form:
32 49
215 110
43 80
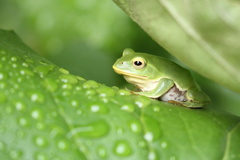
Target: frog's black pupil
138 63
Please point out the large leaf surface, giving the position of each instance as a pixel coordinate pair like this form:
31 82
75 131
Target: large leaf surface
202 34
47 113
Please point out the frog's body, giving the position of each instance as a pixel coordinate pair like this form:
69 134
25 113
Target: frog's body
160 78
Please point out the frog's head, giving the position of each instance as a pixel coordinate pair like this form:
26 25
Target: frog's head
136 65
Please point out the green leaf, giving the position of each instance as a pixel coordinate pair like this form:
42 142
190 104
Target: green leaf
47 113
202 34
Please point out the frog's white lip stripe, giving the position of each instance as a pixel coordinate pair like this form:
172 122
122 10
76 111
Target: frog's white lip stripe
128 74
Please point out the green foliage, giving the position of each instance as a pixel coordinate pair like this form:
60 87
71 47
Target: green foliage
47 113
199 33
74 33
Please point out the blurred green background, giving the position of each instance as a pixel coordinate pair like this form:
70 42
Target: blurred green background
86 37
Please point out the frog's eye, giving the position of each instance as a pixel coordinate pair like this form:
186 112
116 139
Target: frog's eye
138 63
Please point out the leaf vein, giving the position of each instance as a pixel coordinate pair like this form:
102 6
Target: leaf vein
228 142
197 150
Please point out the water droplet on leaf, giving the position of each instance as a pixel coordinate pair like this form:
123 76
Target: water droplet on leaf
36 96
152 155
152 128
95 108
74 103
105 91
40 156
50 85
67 86
23 121
120 130
148 136
2 76
102 152
90 92
68 78
25 64
135 126
40 126
90 84
124 92
143 101
43 70
20 106
122 148
80 78
13 59
98 108
36 114
93 130
62 145
128 107
163 144
64 71
40 141
15 154
26 72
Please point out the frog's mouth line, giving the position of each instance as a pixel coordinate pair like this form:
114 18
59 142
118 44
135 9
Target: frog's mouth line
128 74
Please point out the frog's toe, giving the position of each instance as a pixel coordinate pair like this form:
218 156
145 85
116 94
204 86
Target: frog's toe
175 102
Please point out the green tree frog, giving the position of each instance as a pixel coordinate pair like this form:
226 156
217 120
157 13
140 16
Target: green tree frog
161 79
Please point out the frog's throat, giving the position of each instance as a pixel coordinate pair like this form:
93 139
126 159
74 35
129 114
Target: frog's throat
127 74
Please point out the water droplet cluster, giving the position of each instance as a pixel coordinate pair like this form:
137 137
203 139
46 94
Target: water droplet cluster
28 111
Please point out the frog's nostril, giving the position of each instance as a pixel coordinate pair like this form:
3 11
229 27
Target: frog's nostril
124 62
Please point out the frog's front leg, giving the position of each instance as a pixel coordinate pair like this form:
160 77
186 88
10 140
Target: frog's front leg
162 87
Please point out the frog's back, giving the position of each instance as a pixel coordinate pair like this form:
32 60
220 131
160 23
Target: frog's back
171 70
